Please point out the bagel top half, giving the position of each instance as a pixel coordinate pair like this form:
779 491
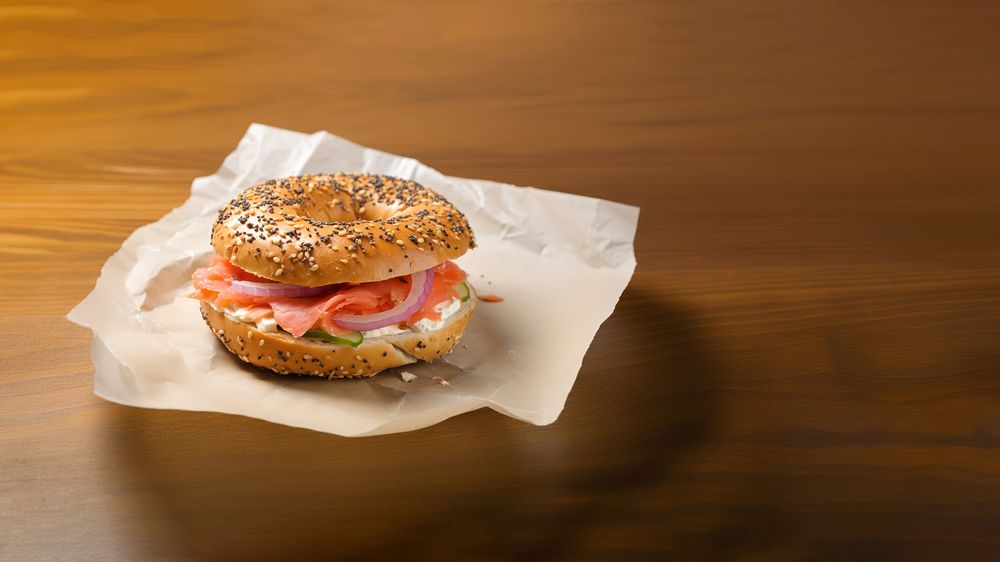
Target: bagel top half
339 228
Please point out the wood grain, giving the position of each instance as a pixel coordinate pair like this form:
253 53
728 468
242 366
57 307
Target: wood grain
806 365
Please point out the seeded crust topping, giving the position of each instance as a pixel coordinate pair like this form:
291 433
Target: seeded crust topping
339 228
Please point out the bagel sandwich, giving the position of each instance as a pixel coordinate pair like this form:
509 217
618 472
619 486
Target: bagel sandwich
337 275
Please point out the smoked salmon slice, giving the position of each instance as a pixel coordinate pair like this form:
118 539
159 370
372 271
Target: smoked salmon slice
299 315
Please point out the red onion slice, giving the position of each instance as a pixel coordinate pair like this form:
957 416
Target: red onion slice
270 290
420 288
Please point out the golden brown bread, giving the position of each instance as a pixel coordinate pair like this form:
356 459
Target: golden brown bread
339 228
284 354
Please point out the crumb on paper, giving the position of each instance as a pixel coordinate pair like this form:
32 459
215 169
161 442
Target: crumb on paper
441 381
407 376
491 298
511 351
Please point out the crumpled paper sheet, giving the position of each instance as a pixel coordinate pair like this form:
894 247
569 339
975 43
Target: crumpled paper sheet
559 261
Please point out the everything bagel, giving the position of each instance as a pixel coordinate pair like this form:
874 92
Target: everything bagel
337 275
339 228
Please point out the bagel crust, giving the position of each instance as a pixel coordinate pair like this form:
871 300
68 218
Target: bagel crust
339 228
285 354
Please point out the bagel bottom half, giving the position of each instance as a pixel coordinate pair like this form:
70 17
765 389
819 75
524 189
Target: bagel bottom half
285 354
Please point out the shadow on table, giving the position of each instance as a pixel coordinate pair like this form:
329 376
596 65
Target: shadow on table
477 486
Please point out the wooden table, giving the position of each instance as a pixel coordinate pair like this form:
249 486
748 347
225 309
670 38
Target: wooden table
806 365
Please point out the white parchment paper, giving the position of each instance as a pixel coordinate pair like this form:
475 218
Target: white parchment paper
559 261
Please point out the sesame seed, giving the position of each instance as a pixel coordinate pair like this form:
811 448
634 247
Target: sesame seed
307 357
420 240
279 272
313 267
358 357
400 242
276 259
344 260
261 343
